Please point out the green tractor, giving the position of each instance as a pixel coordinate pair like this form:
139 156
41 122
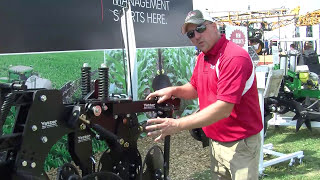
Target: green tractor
299 91
27 75
17 73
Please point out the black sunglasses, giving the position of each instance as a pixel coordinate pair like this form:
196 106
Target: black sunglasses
200 29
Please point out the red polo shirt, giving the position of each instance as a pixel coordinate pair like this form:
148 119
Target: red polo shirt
235 68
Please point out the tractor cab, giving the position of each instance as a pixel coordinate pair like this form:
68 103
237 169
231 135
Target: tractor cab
26 75
17 73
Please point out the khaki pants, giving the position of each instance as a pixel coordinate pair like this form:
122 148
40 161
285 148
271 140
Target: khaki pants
238 160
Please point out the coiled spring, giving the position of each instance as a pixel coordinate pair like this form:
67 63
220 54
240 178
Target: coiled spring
103 92
85 80
5 109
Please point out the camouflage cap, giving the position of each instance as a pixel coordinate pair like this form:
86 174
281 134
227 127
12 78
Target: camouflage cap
195 17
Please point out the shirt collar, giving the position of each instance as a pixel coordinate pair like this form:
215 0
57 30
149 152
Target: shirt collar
217 47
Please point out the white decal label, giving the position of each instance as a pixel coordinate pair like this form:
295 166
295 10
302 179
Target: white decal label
84 138
49 124
149 106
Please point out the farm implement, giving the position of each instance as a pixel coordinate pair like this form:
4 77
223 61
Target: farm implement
42 118
298 92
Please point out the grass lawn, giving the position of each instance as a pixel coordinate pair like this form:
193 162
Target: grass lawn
286 140
59 68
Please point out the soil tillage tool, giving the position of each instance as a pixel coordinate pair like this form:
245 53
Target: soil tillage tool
299 92
42 119
161 80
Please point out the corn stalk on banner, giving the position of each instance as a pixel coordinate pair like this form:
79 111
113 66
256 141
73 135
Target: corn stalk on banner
63 25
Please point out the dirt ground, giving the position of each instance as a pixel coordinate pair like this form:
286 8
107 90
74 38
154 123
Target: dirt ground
187 156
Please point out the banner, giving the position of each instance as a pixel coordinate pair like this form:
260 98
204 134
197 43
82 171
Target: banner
63 25
238 35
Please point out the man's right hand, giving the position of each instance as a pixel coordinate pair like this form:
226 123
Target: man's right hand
163 94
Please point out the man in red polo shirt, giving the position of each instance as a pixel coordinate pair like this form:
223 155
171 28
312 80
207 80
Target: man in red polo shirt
224 81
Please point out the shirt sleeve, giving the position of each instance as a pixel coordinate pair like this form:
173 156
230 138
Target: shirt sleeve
233 76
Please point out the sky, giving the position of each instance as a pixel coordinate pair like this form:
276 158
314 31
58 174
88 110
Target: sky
242 5
256 5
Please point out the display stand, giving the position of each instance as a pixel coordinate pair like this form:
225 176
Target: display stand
278 120
269 88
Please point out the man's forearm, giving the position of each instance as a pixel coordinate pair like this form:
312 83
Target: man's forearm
186 91
211 114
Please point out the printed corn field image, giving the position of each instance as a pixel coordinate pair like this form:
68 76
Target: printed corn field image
62 71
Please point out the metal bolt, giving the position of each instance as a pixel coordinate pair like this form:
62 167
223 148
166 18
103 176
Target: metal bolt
43 98
121 141
115 116
83 126
24 163
34 128
128 115
33 164
96 110
44 139
105 107
74 114
97 136
126 144
114 167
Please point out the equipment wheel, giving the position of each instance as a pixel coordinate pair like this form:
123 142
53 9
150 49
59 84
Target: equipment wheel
153 165
68 172
102 176
126 165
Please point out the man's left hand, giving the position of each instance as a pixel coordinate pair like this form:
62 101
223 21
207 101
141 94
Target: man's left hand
162 127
